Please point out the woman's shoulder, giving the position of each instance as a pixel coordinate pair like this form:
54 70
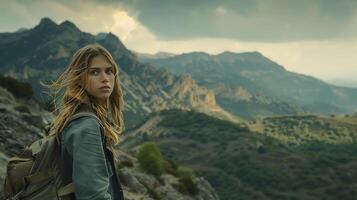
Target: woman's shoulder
83 132
84 121
84 116
82 125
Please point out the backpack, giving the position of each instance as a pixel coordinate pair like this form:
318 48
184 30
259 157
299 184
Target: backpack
35 174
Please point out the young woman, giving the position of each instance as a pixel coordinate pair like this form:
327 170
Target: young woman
90 84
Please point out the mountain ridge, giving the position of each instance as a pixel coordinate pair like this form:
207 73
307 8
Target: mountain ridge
255 73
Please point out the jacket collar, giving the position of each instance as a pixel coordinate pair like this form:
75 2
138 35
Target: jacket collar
86 108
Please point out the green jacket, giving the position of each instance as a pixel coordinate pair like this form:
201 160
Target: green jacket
87 163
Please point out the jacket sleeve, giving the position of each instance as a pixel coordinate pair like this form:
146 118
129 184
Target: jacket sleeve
89 173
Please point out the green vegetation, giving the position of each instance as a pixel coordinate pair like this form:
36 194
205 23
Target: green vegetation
150 159
288 157
152 162
187 184
297 130
183 120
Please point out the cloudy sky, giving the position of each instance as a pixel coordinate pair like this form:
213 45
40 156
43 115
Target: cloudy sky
314 37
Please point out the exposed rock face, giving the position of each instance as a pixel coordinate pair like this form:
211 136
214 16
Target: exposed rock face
21 123
187 91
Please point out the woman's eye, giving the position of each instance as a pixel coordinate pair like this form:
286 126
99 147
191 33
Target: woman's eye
110 71
94 72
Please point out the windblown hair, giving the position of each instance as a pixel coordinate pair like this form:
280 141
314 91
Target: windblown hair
72 81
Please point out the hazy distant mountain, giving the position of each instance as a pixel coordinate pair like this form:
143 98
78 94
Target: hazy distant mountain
42 52
21 30
158 55
237 79
343 83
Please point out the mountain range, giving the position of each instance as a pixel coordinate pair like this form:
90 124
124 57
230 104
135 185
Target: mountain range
251 85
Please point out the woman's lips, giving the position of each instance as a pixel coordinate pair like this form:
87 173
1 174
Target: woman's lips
105 89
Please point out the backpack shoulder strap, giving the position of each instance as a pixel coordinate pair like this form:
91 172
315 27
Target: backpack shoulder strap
79 115
85 114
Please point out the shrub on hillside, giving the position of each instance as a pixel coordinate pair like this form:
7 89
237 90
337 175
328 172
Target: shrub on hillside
150 159
187 185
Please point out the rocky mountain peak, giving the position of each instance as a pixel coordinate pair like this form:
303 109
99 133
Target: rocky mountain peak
111 41
196 55
66 30
46 23
69 25
251 55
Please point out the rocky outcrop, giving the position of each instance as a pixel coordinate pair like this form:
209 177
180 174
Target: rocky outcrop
144 186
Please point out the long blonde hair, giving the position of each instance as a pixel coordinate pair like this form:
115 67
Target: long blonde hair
75 96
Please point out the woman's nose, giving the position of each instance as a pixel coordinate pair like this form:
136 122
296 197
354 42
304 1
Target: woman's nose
104 77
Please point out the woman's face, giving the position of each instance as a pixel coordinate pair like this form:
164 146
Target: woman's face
100 80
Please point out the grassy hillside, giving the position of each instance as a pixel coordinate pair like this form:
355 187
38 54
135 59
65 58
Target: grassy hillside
296 130
287 157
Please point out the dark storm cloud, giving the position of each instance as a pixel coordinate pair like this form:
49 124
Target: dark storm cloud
247 20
